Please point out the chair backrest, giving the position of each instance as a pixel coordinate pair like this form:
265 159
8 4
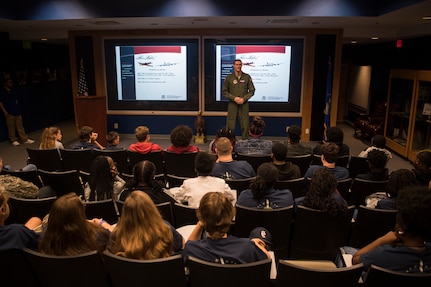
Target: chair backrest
165 209
358 165
84 270
318 235
254 160
23 209
180 164
79 159
342 160
184 215
377 276
163 272
105 209
293 275
62 182
155 157
174 180
370 224
297 186
27 175
46 159
209 274
277 221
118 156
239 184
343 187
303 161
361 188
15 270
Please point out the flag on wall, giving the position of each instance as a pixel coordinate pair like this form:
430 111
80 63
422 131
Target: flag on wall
82 81
328 98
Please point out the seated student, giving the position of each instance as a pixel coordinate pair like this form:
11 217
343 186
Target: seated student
378 142
215 215
329 157
223 132
262 193
142 134
181 137
333 135
68 232
408 248
294 146
141 232
16 236
113 139
286 169
87 139
398 179
228 168
254 144
377 160
51 138
143 180
421 167
322 194
192 189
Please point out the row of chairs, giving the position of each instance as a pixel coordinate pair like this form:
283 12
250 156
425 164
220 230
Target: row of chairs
109 270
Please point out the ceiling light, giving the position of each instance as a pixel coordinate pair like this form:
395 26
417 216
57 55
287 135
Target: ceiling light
374 38
353 42
426 18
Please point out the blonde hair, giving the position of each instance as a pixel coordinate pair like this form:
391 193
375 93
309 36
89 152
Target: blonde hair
223 146
47 140
141 133
141 232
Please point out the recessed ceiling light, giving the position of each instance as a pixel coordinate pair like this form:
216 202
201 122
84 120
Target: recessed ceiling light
44 39
374 38
426 18
353 42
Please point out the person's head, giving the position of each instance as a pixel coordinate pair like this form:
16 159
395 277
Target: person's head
227 133
414 213
423 160
237 65
85 133
181 136
1 163
141 232
49 136
216 212
266 177
144 172
399 179
378 141
113 138
334 135
223 146
4 208
8 83
142 133
204 163
279 151
377 159
294 134
102 173
330 152
256 127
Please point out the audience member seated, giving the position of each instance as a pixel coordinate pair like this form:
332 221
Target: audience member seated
215 215
262 193
329 157
181 137
68 232
322 194
398 179
87 139
254 144
9 167
421 167
141 232
378 142
377 160
228 168
143 180
103 182
223 132
286 169
16 236
333 135
142 134
294 146
407 249
192 189
113 139
51 138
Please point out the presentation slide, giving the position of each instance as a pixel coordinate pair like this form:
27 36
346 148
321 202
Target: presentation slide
151 73
269 67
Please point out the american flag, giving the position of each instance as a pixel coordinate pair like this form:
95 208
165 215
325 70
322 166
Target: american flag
82 81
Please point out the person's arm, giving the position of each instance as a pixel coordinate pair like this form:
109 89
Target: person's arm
261 245
3 109
103 223
196 234
388 238
251 90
